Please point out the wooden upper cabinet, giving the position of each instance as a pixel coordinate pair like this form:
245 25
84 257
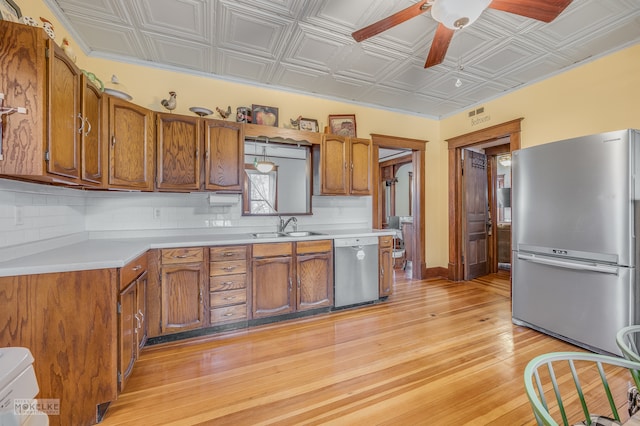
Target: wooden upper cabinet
130 146
224 158
344 166
178 145
361 159
64 118
334 163
91 138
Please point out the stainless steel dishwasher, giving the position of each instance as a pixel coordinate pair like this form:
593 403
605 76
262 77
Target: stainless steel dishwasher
356 270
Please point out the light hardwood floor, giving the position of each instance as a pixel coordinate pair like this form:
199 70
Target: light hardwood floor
435 353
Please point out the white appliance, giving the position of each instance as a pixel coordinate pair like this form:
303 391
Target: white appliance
18 381
575 255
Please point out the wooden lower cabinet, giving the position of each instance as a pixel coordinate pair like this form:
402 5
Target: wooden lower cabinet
272 271
314 274
182 281
227 284
68 321
385 263
131 308
291 277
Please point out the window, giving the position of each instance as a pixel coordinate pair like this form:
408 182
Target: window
260 191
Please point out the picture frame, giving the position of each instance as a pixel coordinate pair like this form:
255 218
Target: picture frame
343 125
9 11
308 124
265 115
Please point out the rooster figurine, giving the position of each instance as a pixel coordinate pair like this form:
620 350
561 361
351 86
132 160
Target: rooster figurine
170 103
295 124
68 50
224 114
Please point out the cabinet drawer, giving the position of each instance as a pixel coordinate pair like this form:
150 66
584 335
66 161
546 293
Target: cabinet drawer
272 250
228 313
132 270
320 246
385 241
227 282
227 268
182 255
217 254
229 297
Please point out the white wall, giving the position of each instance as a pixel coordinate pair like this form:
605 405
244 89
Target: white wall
46 212
51 212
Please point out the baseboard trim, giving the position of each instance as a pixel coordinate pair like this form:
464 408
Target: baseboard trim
437 272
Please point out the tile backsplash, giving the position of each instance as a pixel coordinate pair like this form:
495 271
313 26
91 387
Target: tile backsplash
34 212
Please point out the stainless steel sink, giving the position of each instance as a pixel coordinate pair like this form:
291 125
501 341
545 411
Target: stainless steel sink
269 234
302 233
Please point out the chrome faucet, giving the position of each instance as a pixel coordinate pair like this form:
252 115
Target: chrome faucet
282 225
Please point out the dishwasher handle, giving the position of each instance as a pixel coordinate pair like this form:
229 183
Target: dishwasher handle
606 269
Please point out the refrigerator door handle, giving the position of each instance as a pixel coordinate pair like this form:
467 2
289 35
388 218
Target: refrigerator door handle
570 265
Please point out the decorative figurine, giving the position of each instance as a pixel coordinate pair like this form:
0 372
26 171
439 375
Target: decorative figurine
170 103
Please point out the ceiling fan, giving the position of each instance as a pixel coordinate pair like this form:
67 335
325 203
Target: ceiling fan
453 15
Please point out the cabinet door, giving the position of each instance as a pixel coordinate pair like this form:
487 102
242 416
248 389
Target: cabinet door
182 298
178 140
64 118
131 146
141 312
127 344
386 271
272 286
91 135
334 156
360 167
314 281
224 161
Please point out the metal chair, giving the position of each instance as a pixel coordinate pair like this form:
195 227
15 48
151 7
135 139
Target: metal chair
627 341
569 387
399 251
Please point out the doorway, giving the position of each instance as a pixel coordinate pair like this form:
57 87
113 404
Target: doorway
502 134
415 156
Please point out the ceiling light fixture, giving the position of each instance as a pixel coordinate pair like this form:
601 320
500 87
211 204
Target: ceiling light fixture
264 165
505 160
456 14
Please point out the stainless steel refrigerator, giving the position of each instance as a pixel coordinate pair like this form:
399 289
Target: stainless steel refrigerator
575 211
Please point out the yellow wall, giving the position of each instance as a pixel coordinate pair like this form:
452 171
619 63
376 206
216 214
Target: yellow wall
598 96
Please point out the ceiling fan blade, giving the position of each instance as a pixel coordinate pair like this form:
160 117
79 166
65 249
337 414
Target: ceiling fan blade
391 21
439 46
542 10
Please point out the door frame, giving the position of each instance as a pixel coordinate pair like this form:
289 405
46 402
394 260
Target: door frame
510 129
417 147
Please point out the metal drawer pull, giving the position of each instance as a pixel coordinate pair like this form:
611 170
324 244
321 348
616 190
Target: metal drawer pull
181 256
229 298
227 283
228 314
228 253
136 268
229 268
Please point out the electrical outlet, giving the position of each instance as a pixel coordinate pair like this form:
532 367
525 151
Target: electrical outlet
157 213
19 215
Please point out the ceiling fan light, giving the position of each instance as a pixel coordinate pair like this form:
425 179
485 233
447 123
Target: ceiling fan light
456 14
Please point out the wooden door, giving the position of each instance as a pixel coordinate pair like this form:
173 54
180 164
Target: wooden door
385 264
131 146
182 297
272 286
127 324
178 140
91 135
314 280
64 119
224 157
475 214
334 158
360 172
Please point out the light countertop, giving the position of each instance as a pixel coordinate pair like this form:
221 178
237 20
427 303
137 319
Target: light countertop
101 253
